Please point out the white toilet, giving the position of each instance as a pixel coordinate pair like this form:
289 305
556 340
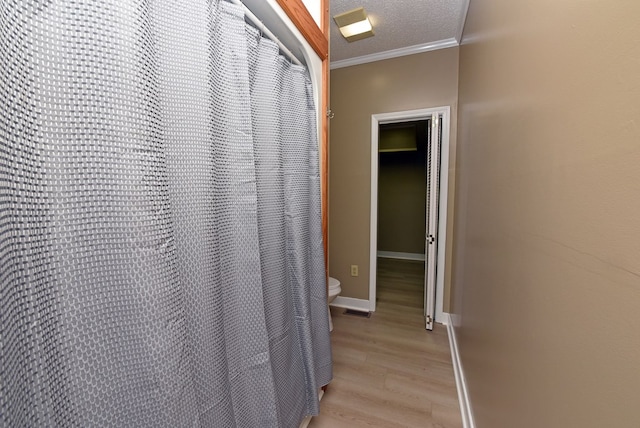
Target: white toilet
334 290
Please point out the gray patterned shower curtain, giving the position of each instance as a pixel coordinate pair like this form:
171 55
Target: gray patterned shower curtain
160 236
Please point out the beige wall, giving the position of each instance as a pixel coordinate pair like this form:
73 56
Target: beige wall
548 222
406 83
402 198
402 194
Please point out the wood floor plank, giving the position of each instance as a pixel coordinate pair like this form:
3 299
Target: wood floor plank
415 388
388 370
344 415
428 368
446 416
363 373
384 407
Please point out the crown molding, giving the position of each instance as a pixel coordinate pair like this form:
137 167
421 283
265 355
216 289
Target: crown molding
463 19
395 53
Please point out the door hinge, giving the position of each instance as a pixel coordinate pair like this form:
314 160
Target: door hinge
429 319
431 239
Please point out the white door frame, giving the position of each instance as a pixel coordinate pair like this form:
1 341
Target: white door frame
406 116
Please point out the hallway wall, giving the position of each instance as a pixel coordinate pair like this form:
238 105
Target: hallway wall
418 81
547 278
402 199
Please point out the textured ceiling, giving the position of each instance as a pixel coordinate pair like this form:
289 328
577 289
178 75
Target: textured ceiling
398 24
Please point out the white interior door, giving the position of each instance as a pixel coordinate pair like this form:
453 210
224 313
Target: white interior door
431 238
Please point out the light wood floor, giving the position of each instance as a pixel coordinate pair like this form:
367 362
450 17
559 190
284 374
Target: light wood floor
388 370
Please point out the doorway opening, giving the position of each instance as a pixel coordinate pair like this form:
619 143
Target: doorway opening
409 178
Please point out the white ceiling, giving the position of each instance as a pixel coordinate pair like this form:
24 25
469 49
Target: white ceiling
401 27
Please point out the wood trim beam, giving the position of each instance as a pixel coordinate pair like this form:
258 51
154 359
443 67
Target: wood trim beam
324 20
300 16
324 163
318 38
324 143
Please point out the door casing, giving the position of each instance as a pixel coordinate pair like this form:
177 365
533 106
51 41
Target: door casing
406 116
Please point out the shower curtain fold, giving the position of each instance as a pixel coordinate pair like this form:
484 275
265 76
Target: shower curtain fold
160 236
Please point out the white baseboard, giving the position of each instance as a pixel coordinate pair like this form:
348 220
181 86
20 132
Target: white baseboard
461 383
455 319
351 303
401 256
443 319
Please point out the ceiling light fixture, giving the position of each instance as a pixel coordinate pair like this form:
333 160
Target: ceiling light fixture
354 25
